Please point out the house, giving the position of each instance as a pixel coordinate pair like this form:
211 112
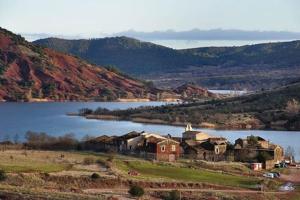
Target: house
125 141
256 149
153 146
213 149
163 149
202 146
103 143
190 134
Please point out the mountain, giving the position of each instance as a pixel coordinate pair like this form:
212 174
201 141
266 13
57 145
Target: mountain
28 72
190 90
252 66
129 55
274 109
193 34
213 34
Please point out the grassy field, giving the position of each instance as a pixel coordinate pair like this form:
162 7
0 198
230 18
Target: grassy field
32 173
16 161
41 161
164 171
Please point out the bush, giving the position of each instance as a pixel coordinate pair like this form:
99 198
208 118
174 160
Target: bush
88 161
2 175
110 158
95 176
136 191
173 195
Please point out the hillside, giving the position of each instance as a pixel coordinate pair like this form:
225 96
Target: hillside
129 55
190 91
30 73
252 66
274 109
275 54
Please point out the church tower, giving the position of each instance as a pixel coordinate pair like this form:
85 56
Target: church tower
188 127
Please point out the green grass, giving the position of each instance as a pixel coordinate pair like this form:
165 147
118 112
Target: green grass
16 192
15 161
34 168
150 170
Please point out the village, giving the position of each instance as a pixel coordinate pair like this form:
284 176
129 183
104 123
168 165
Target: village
195 165
254 151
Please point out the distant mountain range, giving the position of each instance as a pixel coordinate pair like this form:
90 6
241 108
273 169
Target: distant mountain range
214 34
252 66
194 34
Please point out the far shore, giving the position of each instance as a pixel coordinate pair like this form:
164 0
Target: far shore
118 100
205 125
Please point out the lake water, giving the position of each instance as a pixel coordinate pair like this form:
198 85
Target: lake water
18 118
186 44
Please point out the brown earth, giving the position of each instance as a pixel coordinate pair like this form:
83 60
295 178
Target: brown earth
28 72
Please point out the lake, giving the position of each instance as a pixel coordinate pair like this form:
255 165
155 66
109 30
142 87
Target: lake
18 118
187 44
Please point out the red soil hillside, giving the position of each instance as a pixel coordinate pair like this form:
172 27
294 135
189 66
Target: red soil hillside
28 72
194 91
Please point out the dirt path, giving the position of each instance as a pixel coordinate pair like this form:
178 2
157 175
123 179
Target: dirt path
125 190
293 176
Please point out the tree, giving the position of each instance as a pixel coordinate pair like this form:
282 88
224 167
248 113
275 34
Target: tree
263 157
85 111
2 175
16 138
292 106
136 191
173 195
252 140
95 176
290 151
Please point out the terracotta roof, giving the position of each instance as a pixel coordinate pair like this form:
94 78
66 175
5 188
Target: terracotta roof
130 135
195 132
103 138
217 140
153 139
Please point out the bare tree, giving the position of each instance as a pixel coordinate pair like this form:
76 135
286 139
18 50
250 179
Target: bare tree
293 106
16 138
290 151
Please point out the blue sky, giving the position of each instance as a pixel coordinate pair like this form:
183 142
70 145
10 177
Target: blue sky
109 16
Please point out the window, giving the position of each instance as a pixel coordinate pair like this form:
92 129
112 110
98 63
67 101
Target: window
163 148
173 147
217 150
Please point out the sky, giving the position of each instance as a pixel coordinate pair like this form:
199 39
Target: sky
71 17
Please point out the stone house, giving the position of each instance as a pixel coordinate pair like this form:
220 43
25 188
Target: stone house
257 149
213 149
151 146
190 134
162 149
124 142
202 146
103 143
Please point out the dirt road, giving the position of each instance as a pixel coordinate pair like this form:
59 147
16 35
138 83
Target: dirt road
293 176
125 190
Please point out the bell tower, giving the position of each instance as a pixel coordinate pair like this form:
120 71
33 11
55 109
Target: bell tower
188 127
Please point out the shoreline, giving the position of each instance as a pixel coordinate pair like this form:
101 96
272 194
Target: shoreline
204 125
91 101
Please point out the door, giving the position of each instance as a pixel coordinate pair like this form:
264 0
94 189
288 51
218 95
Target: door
171 157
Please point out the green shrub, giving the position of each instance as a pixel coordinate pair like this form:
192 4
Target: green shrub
88 161
95 176
136 191
173 195
110 158
2 175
